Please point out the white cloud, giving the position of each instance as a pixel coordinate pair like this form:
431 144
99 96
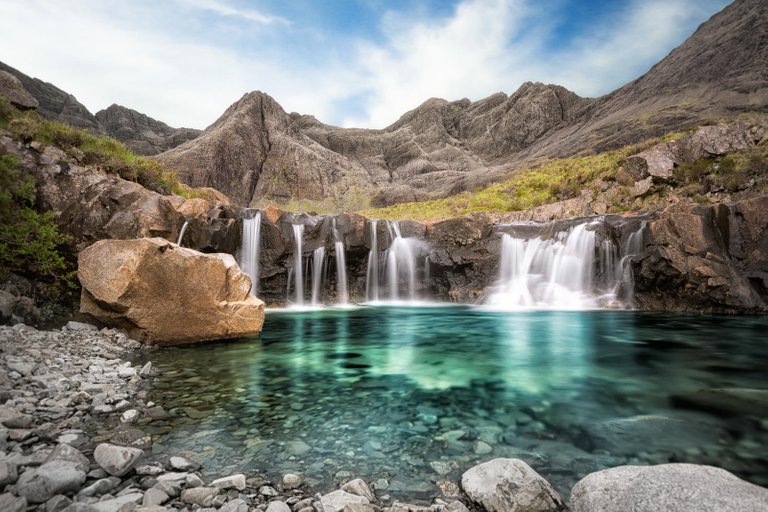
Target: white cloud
224 8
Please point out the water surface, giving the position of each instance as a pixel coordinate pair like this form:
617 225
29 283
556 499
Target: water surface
415 396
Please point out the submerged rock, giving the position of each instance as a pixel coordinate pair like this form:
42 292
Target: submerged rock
668 487
165 294
501 485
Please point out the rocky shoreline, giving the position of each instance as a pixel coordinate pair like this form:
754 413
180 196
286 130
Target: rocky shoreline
56 385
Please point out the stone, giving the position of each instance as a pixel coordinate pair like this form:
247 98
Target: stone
117 504
57 503
100 487
8 473
11 503
500 485
735 401
359 488
146 370
54 477
297 448
337 500
202 496
278 506
135 284
291 481
267 490
182 464
236 505
130 416
192 480
116 460
154 497
80 326
667 487
69 453
231 482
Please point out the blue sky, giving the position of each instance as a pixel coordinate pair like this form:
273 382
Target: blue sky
348 62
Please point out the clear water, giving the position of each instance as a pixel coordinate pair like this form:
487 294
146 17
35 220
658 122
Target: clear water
419 395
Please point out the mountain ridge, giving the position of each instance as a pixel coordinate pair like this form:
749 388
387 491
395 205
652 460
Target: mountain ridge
444 147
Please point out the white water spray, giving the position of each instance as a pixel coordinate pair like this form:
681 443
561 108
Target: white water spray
298 273
181 233
372 273
318 258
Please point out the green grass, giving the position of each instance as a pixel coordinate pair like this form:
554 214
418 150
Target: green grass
546 183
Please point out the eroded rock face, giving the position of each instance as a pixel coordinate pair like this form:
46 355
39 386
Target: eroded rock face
706 258
501 485
165 294
669 487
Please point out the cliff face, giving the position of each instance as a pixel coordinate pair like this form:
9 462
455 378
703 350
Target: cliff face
441 148
142 134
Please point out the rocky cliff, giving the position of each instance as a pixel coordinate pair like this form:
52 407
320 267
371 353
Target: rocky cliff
441 148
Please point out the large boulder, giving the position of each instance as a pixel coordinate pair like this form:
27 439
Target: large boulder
501 485
668 487
166 294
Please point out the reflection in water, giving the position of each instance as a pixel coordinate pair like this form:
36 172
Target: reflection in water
388 391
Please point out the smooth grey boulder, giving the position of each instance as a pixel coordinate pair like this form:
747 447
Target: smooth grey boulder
230 482
668 488
66 452
8 473
116 460
54 477
118 504
501 485
236 505
154 497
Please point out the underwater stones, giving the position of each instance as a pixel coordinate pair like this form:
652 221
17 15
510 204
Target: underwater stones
165 294
500 485
291 481
297 448
116 460
668 487
626 436
739 401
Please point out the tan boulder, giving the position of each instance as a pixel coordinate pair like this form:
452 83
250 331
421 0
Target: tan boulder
165 294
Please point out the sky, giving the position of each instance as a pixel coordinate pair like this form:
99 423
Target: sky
360 63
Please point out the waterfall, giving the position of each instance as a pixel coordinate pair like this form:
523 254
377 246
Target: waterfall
249 249
181 233
401 265
558 273
554 273
372 273
298 273
318 258
342 293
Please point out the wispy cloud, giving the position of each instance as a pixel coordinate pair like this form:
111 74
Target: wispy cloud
223 8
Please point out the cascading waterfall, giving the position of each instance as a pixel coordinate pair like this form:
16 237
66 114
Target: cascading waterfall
342 293
372 273
318 258
401 265
249 249
558 273
181 233
298 271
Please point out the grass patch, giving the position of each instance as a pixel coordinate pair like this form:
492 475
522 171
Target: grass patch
534 186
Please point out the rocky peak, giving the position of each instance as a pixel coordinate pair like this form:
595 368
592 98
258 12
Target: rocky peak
141 133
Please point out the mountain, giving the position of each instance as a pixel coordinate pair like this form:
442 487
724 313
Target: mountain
256 152
142 134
